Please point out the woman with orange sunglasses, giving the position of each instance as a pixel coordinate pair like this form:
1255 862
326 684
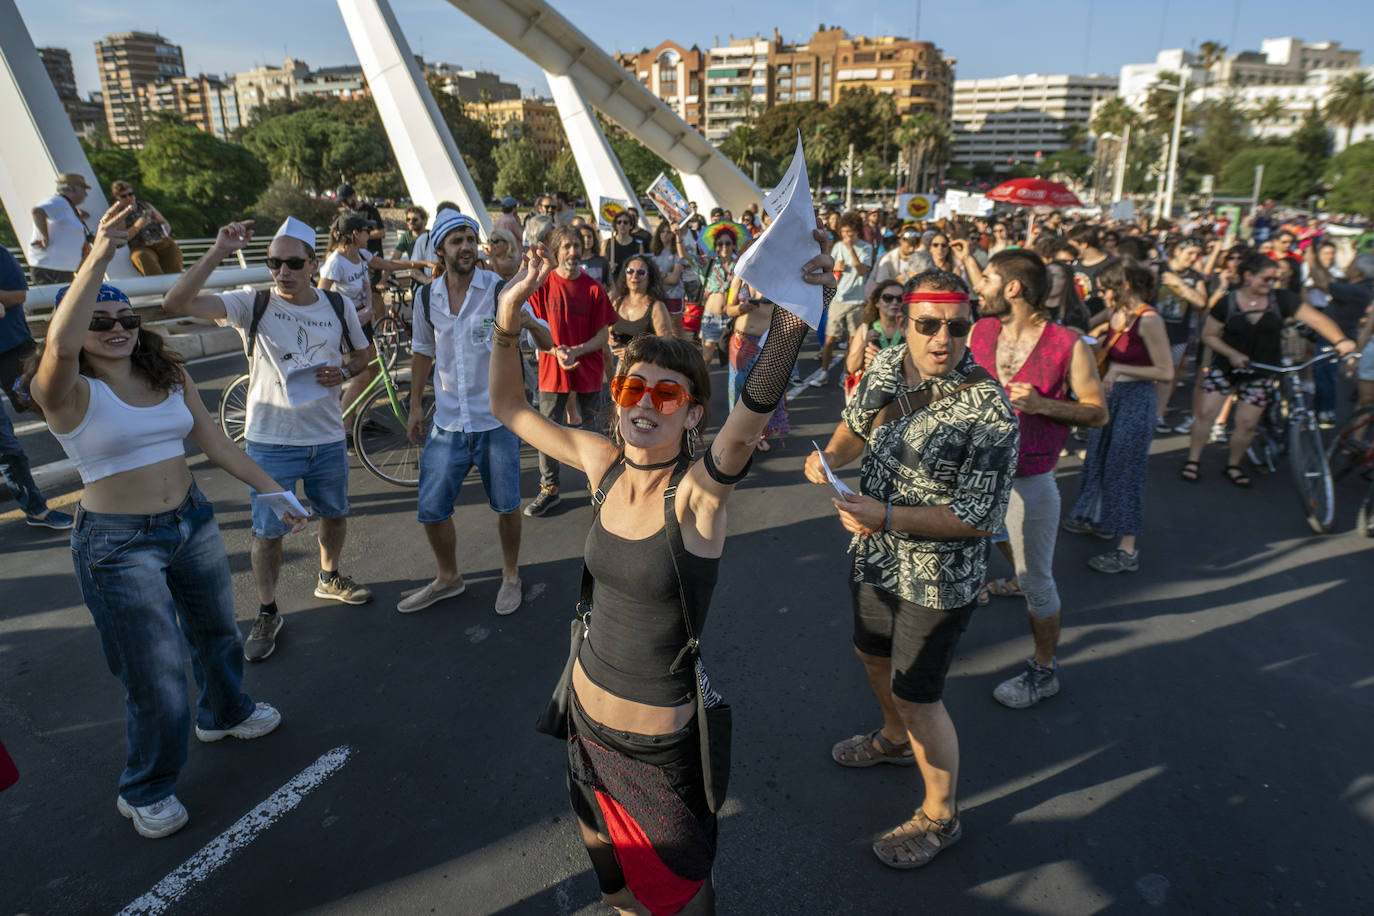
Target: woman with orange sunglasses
636 778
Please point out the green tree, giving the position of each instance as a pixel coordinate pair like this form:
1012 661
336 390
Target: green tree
1269 111
198 181
1312 141
1066 165
283 199
1351 176
777 128
473 136
1286 177
641 164
112 163
1219 127
1351 102
1208 54
744 147
562 175
1075 135
921 137
519 170
315 149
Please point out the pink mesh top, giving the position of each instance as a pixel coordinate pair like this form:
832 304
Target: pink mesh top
1047 370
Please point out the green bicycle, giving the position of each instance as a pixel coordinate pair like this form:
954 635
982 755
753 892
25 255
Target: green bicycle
381 414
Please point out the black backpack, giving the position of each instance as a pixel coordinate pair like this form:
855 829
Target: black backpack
260 308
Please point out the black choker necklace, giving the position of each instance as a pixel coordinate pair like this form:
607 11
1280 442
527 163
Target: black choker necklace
651 467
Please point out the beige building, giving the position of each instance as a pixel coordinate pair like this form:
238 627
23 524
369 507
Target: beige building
205 102
673 73
515 118
128 61
265 84
1018 118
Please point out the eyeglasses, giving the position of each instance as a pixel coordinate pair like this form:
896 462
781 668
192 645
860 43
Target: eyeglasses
105 322
929 327
623 222
279 263
125 194
891 298
639 272
668 397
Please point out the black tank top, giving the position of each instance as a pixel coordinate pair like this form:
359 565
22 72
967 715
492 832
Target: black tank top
624 330
637 628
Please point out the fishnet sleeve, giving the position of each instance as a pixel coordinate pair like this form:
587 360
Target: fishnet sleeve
767 381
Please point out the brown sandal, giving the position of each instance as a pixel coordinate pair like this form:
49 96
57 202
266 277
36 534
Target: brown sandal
916 842
872 749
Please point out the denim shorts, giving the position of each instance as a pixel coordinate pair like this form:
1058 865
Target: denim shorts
1364 370
713 326
446 460
322 468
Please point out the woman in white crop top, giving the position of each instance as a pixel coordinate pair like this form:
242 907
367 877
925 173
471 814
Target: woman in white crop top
148 554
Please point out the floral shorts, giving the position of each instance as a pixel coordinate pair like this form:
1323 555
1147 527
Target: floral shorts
1249 387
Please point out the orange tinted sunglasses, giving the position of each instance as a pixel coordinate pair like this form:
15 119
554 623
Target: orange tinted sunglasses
667 397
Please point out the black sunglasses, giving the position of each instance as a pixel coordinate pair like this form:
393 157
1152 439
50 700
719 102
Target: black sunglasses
105 322
293 263
929 327
894 297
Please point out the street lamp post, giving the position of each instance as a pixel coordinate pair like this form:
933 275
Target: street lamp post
1164 200
1119 179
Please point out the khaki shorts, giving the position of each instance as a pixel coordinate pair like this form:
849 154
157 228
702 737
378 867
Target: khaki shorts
844 319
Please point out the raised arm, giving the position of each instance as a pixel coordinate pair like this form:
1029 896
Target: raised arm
185 297
54 387
585 450
964 253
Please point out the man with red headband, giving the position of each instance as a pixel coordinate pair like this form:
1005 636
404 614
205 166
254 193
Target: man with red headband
939 444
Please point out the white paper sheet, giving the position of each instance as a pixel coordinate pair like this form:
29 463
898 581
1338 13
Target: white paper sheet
840 486
772 264
301 387
284 502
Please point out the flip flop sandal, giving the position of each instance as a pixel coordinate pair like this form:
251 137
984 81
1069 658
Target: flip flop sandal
1189 471
916 842
1236 474
860 751
1005 588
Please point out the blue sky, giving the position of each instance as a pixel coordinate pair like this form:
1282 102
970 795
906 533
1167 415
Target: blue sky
988 38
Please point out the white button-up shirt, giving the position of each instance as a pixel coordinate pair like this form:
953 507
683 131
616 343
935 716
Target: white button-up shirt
460 345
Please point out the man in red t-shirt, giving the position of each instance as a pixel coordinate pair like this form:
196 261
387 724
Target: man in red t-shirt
579 316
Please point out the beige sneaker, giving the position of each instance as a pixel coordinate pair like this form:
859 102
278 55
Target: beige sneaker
509 597
341 588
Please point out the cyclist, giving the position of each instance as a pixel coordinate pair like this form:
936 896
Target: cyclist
1245 326
294 441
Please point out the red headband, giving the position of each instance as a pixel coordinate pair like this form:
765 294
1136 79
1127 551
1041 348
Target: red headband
920 296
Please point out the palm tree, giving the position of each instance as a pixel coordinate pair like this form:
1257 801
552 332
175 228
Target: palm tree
1209 53
923 138
1351 102
1075 135
826 144
1269 111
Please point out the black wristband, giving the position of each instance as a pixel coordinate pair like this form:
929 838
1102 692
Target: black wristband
719 476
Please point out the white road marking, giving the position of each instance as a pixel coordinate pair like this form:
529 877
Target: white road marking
476 633
534 591
223 847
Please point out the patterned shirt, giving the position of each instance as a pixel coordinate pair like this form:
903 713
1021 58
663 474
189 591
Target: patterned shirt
958 452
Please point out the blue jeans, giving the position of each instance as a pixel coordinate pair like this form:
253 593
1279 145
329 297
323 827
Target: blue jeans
446 460
322 468
1324 376
14 466
140 576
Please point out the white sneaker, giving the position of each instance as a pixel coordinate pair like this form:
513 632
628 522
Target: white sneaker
263 720
161 818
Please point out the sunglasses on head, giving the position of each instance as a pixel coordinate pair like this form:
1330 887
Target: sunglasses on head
929 327
278 263
668 397
105 322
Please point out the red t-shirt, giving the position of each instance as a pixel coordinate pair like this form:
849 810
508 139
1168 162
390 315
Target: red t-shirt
575 310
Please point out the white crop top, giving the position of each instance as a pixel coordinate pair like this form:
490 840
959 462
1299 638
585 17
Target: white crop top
115 437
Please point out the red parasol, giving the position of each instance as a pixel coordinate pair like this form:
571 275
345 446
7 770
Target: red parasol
1034 192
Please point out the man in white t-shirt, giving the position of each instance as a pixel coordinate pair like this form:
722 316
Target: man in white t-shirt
852 259
905 261
454 331
294 438
59 232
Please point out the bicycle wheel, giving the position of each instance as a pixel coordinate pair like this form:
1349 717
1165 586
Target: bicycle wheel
1352 445
1307 460
379 437
390 337
233 409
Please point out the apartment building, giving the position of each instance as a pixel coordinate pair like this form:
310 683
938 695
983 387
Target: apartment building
264 84
87 115
472 85
536 118
345 82
673 73
205 102
1282 61
1020 117
738 84
129 61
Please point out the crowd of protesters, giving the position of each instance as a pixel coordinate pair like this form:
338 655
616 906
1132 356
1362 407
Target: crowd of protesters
974 354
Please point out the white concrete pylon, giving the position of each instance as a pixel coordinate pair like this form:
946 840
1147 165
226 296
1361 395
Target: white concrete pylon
426 152
545 36
601 173
39 143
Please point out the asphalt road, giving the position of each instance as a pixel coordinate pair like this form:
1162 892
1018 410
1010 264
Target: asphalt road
1210 752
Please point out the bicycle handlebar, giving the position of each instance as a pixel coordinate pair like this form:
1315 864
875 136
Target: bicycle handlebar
1325 355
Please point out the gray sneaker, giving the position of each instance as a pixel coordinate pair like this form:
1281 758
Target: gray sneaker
263 720
342 588
161 818
1115 561
1029 687
1083 526
262 639
547 500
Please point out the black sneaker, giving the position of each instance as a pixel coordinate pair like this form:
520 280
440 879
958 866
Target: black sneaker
540 506
262 640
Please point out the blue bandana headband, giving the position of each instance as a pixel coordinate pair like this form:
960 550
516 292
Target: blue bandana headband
107 293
